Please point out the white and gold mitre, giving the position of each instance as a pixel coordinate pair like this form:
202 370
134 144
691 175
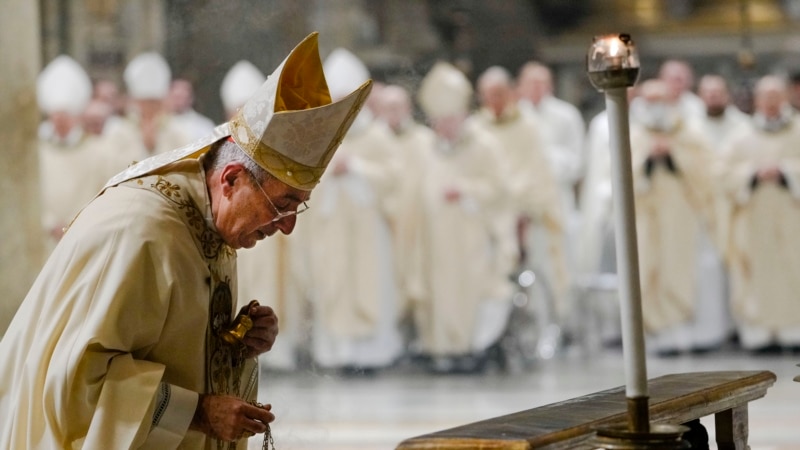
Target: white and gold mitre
239 84
344 72
147 77
290 126
445 91
63 86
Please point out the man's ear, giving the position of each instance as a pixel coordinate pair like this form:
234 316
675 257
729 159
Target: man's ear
228 176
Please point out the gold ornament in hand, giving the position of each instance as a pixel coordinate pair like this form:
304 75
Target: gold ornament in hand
240 326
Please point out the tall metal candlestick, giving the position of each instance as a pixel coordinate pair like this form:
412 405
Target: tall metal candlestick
613 66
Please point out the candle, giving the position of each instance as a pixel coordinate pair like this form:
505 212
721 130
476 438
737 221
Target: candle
625 234
612 67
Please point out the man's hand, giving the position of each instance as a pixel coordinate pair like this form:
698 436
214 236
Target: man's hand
452 194
229 418
660 148
57 232
771 173
262 336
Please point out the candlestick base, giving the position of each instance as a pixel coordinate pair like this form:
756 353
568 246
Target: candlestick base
660 437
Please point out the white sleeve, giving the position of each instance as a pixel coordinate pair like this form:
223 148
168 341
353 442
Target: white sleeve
172 414
792 180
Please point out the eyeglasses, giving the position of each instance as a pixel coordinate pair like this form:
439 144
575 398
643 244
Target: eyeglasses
279 215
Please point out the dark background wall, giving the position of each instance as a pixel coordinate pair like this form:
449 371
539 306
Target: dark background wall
400 39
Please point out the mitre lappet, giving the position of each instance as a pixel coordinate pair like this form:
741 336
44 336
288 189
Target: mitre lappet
290 126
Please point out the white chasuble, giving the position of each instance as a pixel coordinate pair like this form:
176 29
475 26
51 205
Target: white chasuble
120 330
350 256
563 131
764 245
534 194
70 175
127 146
414 143
454 276
673 204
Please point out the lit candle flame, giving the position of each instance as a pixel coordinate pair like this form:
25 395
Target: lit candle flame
615 53
614 47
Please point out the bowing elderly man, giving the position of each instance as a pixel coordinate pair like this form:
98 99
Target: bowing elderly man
126 339
272 269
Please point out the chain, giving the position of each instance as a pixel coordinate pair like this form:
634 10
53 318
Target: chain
269 444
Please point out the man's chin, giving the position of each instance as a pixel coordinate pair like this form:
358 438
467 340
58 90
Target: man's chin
251 242
248 243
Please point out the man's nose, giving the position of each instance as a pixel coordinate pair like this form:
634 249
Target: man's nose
286 224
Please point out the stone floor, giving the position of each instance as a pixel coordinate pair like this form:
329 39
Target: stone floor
317 410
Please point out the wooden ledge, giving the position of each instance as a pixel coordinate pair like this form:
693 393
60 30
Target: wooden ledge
676 398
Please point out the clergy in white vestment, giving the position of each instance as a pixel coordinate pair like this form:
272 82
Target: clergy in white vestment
563 131
762 175
533 224
95 117
108 92
596 235
71 168
679 77
721 122
148 128
348 241
130 337
413 142
180 103
458 311
674 218
596 284
238 85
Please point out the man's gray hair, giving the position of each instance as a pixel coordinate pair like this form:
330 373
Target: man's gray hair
225 152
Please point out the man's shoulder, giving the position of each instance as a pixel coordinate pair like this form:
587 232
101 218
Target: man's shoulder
131 204
139 215
482 138
563 107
